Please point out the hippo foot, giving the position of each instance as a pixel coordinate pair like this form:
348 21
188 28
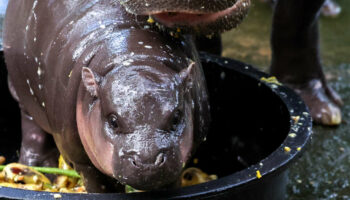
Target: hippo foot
96 182
323 102
331 9
48 158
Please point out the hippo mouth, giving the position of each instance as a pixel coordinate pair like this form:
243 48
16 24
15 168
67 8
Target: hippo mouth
195 18
204 17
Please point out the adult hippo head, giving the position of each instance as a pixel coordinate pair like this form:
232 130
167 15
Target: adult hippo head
204 16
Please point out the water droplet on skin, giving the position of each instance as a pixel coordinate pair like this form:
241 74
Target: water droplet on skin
31 91
40 72
140 42
126 63
148 47
292 135
34 39
222 75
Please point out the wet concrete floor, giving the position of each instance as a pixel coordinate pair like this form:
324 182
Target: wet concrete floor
323 172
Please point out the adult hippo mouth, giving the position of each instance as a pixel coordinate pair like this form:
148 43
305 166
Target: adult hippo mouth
200 16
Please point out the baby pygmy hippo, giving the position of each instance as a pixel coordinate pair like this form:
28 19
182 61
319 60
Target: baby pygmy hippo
124 103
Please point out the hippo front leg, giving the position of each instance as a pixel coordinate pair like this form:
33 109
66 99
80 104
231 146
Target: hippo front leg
38 147
96 182
296 59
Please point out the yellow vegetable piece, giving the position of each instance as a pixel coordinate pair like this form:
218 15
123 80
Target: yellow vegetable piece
62 164
150 20
272 80
295 119
258 174
2 160
16 172
193 176
287 149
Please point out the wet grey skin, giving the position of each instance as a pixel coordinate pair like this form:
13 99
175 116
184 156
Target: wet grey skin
294 40
124 103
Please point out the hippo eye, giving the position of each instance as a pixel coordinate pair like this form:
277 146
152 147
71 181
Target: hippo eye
175 120
113 121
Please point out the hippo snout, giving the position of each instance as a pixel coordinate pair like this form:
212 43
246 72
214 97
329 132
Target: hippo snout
156 161
150 171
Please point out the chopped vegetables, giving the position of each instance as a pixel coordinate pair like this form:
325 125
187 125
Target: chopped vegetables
295 119
52 170
271 80
2 160
129 189
150 20
287 149
258 174
193 176
31 178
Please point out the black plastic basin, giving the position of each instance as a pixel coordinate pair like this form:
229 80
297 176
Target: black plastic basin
253 127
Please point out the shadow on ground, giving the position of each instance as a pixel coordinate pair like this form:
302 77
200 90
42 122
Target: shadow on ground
323 171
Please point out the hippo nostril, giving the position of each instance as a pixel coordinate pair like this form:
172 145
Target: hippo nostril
133 162
160 159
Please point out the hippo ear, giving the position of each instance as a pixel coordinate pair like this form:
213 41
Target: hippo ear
89 81
187 74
